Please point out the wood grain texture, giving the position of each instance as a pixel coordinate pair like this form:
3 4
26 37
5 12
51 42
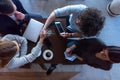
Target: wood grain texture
36 76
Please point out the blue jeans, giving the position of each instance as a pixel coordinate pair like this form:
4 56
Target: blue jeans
70 42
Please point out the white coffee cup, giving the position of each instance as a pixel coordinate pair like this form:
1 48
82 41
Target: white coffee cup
47 54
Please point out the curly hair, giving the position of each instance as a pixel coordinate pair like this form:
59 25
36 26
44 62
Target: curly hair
89 46
6 7
91 21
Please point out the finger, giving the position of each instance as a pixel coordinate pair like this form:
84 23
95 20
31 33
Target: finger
16 12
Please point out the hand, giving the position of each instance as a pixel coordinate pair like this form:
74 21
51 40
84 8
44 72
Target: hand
65 35
44 31
68 51
19 15
42 37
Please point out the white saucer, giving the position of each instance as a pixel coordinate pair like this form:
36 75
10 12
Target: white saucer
45 57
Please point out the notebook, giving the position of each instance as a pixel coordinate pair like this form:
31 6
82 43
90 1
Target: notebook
33 30
70 58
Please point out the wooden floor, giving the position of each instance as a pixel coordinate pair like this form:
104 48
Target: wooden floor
36 76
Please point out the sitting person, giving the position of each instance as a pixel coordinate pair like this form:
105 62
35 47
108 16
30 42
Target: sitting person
13 51
95 53
11 20
84 22
92 52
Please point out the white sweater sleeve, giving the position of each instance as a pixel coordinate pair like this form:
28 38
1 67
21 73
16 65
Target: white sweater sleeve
19 61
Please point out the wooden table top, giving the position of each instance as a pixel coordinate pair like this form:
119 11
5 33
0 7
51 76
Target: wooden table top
58 46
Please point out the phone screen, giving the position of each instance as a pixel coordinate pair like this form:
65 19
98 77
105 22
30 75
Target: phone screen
59 27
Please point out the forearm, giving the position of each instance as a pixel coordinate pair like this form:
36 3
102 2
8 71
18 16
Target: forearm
78 57
72 47
36 51
49 20
69 49
41 40
75 35
27 17
20 61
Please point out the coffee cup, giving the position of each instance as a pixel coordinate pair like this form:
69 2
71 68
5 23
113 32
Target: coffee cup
47 54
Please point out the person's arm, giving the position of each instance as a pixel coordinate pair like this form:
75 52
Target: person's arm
35 52
78 57
76 34
67 35
49 21
59 12
20 61
21 16
69 50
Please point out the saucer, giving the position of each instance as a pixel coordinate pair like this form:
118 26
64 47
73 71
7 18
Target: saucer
44 54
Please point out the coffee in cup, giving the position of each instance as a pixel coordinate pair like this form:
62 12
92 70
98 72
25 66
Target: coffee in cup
48 54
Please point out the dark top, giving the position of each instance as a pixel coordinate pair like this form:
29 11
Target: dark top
9 26
19 6
87 49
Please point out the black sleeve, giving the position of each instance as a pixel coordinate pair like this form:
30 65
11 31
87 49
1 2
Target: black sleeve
78 43
27 17
25 20
19 6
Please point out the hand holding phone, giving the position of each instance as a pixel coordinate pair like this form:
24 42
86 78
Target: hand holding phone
64 34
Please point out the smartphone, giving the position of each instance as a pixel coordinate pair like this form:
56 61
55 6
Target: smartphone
59 27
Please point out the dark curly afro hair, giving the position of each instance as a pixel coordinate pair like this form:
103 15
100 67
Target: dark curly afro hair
91 21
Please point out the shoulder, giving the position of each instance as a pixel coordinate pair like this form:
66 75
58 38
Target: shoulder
12 36
5 17
79 6
6 37
9 35
73 7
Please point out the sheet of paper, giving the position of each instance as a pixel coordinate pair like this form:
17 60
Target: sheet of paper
70 58
33 30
